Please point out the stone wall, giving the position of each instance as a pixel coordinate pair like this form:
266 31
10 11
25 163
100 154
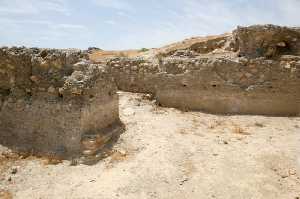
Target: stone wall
52 100
135 74
266 41
238 86
58 102
256 70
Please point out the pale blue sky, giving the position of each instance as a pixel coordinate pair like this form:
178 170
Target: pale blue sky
127 24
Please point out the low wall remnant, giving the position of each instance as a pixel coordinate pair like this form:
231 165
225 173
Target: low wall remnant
51 100
254 70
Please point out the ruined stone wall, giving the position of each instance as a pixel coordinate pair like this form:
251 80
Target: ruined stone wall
266 41
218 85
49 104
58 102
238 86
135 74
254 71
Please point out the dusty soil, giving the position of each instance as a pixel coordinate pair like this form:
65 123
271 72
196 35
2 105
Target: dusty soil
188 42
99 55
166 153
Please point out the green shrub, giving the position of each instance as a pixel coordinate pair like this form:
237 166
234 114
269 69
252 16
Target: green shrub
144 50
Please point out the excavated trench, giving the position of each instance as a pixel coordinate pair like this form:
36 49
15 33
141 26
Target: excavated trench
60 103
51 106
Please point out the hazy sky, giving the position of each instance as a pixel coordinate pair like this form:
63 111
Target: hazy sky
124 24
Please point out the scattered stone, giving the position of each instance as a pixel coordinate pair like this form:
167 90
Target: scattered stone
122 152
35 79
14 171
258 124
287 66
234 73
292 172
183 181
281 44
51 89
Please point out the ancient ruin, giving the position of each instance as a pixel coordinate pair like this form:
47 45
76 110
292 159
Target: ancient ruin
254 70
64 102
54 103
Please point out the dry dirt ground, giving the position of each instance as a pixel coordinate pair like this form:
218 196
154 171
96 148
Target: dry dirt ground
166 153
100 55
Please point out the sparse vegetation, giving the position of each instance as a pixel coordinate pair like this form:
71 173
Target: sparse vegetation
240 131
144 49
146 145
215 124
258 124
52 160
118 156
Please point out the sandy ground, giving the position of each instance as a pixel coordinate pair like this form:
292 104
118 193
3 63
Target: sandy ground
166 153
100 55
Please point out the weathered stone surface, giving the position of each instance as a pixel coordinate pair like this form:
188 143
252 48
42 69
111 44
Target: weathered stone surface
135 74
266 41
229 86
59 102
48 106
237 74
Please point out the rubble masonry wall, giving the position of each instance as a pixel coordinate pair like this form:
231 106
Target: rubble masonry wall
48 103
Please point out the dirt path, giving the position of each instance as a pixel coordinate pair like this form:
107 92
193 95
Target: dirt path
166 153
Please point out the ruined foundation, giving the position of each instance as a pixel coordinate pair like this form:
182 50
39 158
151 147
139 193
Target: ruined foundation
254 70
58 102
52 106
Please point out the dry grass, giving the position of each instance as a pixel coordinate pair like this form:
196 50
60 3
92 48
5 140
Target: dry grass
101 54
240 131
215 124
187 43
52 160
118 156
6 159
258 124
183 132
